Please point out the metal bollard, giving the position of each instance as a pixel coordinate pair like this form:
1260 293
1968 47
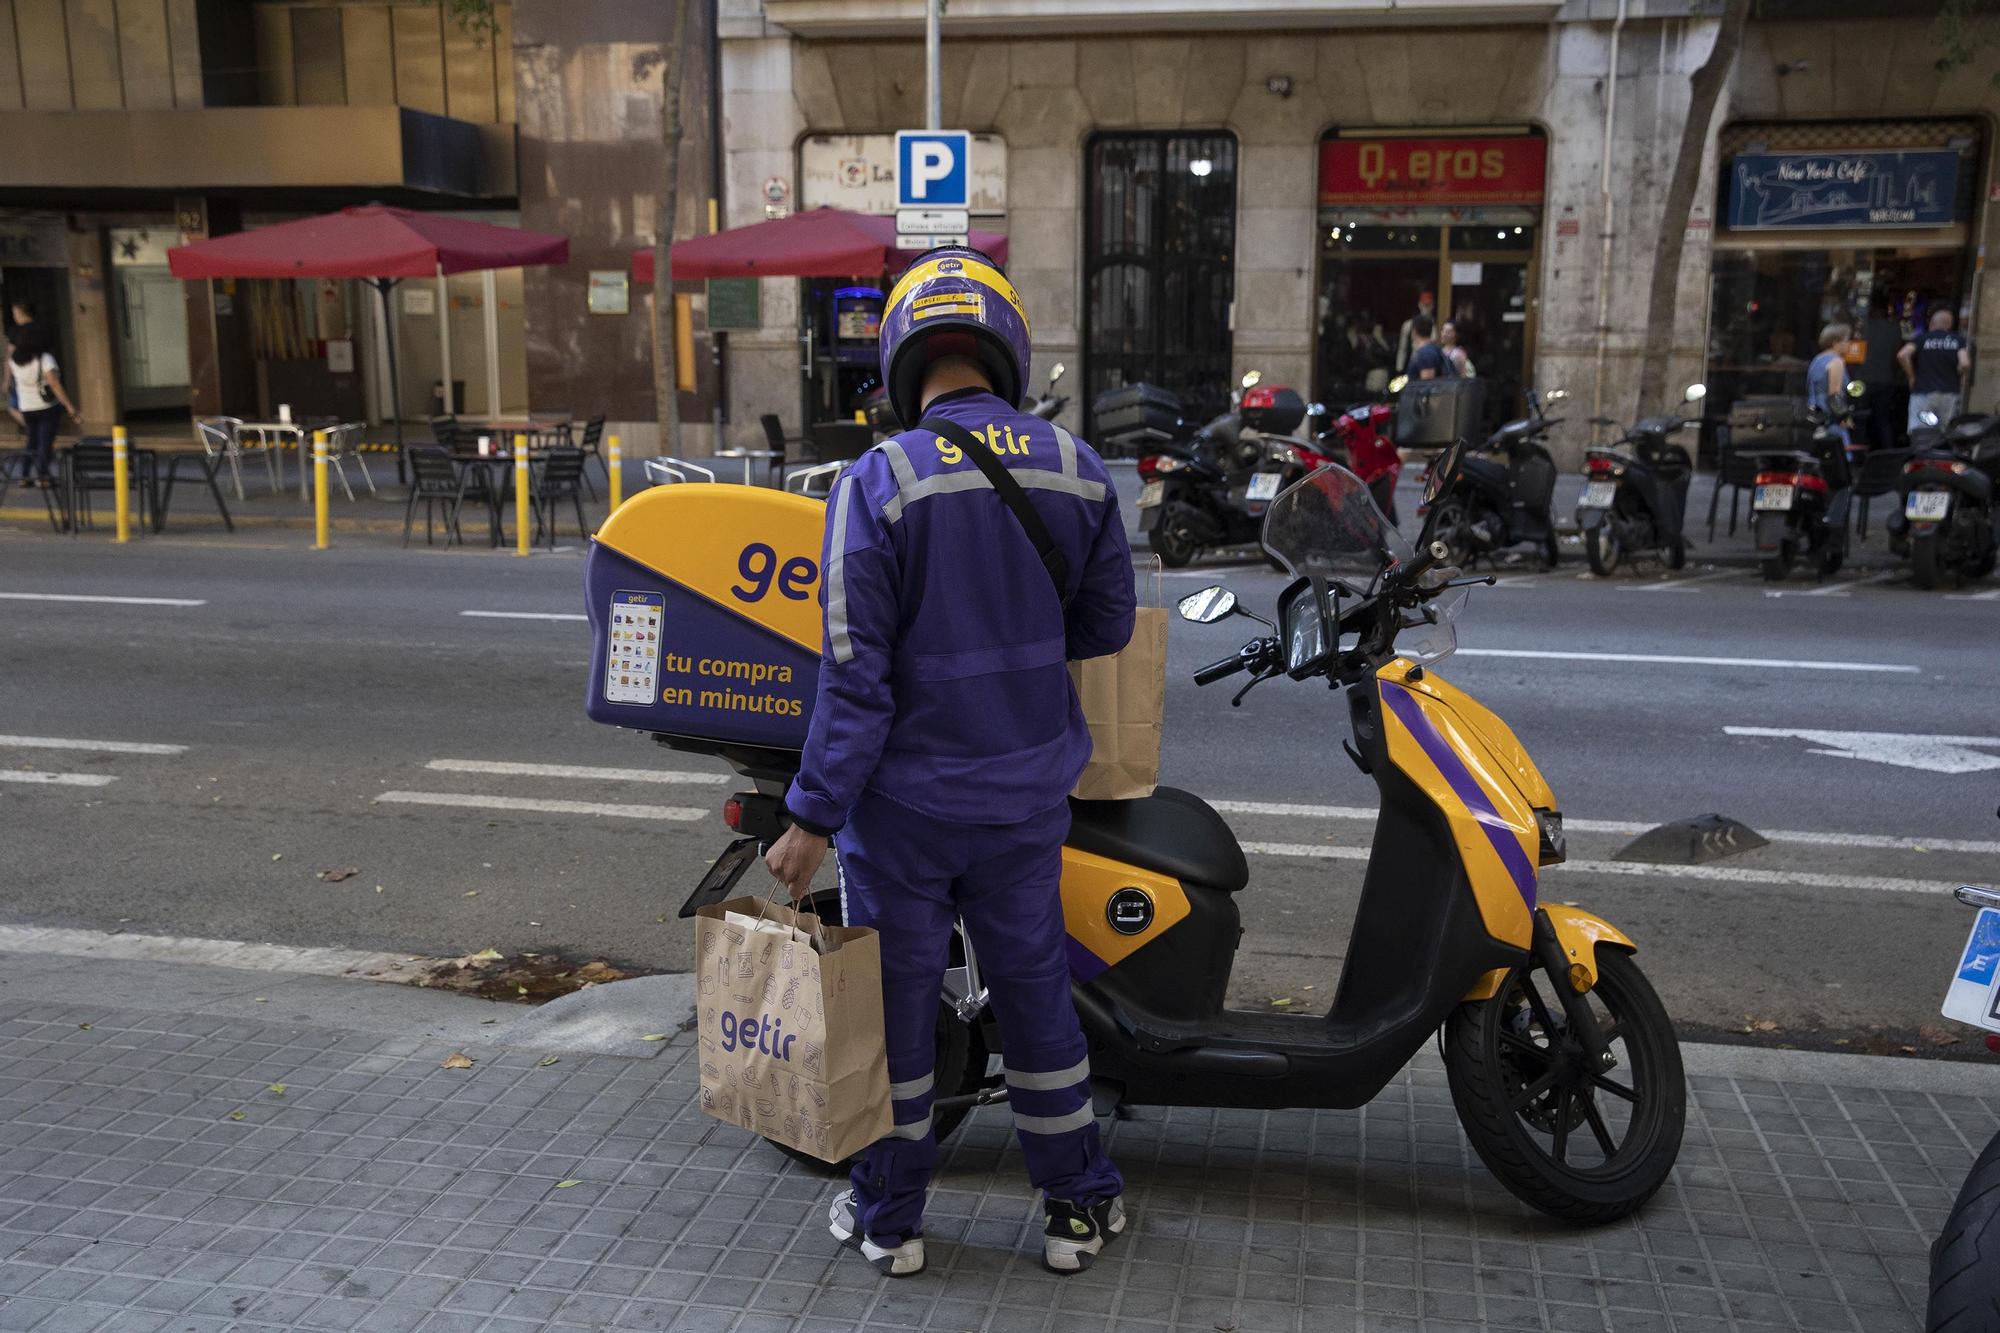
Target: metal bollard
121 481
520 495
320 517
616 460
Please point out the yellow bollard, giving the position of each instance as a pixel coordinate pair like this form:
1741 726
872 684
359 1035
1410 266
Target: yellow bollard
520 495
319 491
121 481
616 459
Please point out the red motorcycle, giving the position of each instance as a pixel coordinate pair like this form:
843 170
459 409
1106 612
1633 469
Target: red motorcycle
1358 440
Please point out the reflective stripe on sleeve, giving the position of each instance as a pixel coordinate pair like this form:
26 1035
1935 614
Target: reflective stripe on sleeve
839 643
1054 1124
1053 1080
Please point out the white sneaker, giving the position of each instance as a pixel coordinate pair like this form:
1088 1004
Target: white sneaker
905 1260
1075 1234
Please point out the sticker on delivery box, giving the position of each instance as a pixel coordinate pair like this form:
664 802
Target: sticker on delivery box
632 652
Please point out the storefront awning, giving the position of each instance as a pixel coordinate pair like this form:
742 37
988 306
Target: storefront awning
819 243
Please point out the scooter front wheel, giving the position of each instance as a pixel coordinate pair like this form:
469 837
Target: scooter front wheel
1581 1144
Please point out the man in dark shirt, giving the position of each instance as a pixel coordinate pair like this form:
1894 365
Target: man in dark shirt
1427 362
1939 362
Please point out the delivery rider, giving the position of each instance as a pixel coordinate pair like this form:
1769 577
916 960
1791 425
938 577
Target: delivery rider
946 737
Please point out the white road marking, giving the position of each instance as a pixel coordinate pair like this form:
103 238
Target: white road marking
678 813
1631 828
114 601
1933 754
525 615
1682 585
1990 595
56 779
107 747
1760 663
1645 870
44 940
577 771
1842 589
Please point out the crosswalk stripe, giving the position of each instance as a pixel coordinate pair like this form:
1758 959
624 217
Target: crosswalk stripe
677 813
579 772
114 601
56 779
1683 585
525 615
106 747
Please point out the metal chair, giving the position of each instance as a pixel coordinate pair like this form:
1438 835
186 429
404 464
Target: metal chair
558 477
674 471
446 431
15 466
88 468
341 440
435 480
223 437
806 481
781 444
590 447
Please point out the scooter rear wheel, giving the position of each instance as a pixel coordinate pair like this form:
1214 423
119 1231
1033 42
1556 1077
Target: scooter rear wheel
1174 540
1600 547
1582 1146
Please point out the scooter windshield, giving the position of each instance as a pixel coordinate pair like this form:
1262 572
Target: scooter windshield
1328 515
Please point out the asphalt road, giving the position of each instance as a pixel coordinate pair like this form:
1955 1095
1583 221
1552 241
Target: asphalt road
307 687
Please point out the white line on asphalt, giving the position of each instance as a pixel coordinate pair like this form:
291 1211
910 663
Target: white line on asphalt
56 779
108 747
577 771
1842 589
1682 585
115 601
1990 595
525 615
42 941
1630 828
1762 663
1644 870
678 813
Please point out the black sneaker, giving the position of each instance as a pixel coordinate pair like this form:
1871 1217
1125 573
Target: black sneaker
1076 1233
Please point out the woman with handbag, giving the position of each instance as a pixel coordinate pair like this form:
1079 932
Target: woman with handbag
40 398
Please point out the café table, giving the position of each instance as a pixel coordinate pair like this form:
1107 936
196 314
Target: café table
749 458
297 432
495 469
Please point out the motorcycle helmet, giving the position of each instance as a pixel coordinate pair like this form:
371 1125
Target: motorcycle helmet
952 301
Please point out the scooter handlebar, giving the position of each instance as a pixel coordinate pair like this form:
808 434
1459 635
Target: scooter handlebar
1222 670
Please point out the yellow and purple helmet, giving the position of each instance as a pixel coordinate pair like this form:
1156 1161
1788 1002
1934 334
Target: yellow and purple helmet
952 301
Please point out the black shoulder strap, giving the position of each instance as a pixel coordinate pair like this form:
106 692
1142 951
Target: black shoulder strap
1012 496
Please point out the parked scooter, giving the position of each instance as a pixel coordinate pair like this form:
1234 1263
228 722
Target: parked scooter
1492 505
1360 440
1947 493
1213 490
1562 1063
1801 501
1636 497
1049 405
1965 1279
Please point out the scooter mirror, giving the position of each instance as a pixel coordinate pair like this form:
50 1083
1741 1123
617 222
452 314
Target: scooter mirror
1252 378
1209 605
1056 373
1696 392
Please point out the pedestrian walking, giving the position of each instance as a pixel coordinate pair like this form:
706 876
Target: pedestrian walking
1461 361
1406 344
1427 359
1938 364
40 399
946 737
1826 379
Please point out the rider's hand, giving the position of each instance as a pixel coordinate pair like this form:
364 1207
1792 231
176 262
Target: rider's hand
794 859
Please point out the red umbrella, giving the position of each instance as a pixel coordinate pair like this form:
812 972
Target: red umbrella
819 243
375 242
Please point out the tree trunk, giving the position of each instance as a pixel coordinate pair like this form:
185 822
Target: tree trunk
666 393
1704 91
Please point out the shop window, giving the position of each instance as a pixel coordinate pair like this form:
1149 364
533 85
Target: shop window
1159 265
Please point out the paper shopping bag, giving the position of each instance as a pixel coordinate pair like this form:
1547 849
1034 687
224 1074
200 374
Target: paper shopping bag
1123 698
789 1023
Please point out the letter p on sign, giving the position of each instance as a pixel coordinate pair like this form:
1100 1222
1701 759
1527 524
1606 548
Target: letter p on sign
932 168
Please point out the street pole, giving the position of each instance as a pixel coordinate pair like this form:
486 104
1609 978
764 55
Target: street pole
319 491
932 119
615 480
521 495
121 481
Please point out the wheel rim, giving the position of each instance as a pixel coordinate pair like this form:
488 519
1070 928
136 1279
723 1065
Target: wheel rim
1176 538
1587 1124
1451 531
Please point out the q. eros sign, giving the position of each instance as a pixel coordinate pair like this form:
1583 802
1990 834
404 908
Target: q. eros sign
1392 172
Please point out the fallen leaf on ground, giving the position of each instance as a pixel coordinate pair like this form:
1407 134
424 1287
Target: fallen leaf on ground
84 1026
654 1036
457 1060
1932 1035
488 954
1281 1002
470 893
335 876
546 1061
235 1115
565 1184
277 856
262 1000
378 888
1762 1025
278 1088
598 971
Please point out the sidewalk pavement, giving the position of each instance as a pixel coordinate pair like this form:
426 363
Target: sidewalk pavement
192 1149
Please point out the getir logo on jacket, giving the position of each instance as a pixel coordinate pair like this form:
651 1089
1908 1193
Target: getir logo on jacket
759 1034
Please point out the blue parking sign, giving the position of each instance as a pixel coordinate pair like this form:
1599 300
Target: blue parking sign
933 168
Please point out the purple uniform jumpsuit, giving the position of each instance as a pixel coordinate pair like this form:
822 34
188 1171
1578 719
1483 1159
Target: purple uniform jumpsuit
944 742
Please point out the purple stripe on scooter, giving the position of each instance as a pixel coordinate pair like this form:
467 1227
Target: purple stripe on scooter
1465 786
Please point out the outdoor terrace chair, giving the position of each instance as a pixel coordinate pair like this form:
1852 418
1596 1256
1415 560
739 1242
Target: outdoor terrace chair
790 449
435 480
222 437
341 442
674 472
559 477
446 431
591 447
16 466
89 468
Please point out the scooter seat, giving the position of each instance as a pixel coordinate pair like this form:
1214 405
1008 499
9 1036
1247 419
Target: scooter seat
1171 832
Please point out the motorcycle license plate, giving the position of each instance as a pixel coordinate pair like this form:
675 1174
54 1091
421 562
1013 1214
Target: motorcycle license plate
1154 493
1927 506
1974 994
1598 495
1265 485
1773 497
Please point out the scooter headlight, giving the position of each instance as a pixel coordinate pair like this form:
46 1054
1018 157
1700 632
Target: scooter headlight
1555 848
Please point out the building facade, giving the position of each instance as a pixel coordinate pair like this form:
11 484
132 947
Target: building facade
1193 191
